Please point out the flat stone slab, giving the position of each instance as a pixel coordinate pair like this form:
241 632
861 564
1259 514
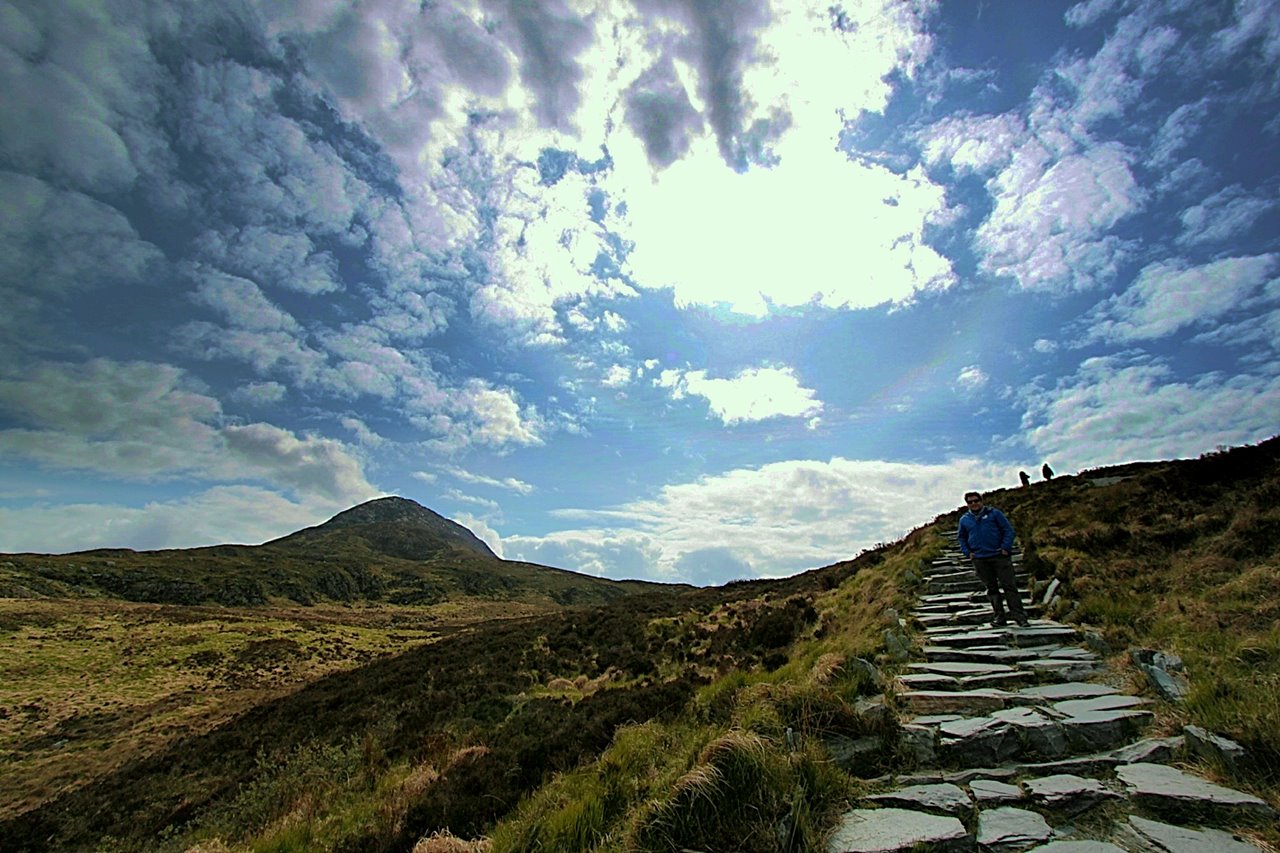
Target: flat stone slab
1068 690
958 701
1155 750
1010 828
1078 847
891 830
928 681
1154 835
987 792
940 798
960 668
1106 702
1067 793
946 653
1098 730
1166 788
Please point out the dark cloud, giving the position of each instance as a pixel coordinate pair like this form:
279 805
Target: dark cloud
547 37
721 41
660 113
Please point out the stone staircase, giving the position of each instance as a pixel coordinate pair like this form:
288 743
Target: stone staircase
1020 743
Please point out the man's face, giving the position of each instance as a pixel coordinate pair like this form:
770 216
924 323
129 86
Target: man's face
975 503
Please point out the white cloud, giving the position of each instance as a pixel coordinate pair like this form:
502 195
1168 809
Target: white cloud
972 377
260 393
145 420
754 394
1048 228
1089 12
220 515
1169 295
769 521
972 143
1121 409
1230 212
510 484
616 376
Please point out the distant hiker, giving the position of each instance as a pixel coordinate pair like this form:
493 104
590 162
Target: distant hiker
986 537
1046 472
1025 478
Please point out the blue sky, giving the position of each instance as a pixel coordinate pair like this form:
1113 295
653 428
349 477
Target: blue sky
662 289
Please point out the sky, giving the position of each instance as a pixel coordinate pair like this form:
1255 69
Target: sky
681 290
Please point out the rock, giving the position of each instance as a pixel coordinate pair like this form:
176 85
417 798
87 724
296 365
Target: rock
1007 828
1165 838
927 681
872 709
941 798
896 645
869 671
898 831
1078 765
959 701
1156 750
1096 643
1067 793
1211 747
1077 847
1036 734
1171 686
1166 789
1106 702
1067 690
1050 591
987 792
954 668
975 741
1093 731
919 743
853 754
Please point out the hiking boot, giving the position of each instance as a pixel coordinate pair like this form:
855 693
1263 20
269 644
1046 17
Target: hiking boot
999 622
1024 622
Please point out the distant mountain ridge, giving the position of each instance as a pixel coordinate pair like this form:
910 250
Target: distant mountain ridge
395 526
391 550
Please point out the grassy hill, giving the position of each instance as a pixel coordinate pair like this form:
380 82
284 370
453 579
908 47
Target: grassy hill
673 718
390 550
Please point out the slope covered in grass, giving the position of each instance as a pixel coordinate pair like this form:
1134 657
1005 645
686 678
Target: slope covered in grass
703 719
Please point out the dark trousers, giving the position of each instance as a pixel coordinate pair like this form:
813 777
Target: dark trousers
997 573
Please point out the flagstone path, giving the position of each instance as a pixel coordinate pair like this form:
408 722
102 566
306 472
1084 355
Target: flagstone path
1021 743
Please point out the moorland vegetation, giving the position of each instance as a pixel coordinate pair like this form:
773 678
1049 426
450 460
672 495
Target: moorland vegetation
658 718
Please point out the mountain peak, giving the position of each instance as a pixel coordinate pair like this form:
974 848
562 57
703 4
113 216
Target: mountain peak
397 527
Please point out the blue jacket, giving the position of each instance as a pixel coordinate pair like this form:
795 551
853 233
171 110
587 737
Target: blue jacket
985 534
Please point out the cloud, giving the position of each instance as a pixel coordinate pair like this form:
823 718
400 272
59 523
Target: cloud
144 420
1124 408
260 393
754 394
1048 228
1177 131
770 521
1090 12
219 515
972 143
1169 295
56 242
510 484
972 377
1229 213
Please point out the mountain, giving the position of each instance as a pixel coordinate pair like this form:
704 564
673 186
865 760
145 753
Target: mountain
396 527
391 550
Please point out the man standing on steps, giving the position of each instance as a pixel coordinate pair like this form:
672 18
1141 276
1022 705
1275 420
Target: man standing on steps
986 537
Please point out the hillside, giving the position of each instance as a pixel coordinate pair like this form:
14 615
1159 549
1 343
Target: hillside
389 550
702 718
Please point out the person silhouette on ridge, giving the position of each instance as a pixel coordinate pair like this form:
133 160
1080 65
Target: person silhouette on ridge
1025 478
1046 472
986 537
